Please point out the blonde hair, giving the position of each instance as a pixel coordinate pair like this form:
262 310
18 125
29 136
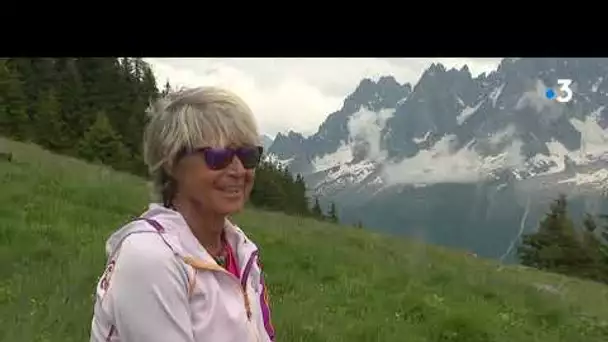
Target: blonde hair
189 119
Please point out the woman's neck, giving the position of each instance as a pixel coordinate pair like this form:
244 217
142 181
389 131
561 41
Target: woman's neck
206 227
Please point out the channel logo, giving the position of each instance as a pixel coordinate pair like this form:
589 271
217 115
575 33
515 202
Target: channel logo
563 94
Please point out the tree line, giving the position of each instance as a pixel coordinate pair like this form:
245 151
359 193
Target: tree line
95 109
560 246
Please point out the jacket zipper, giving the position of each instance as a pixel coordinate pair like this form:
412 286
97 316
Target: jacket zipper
241 284
243 287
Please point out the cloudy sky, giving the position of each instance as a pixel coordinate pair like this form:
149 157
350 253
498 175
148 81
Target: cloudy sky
297 93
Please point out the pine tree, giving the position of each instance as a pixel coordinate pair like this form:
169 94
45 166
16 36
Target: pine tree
603 229
268 191
102 144
167 89
14 120
596 243
49 128
555 246
603 248
333 213
276 189
316 210
44 73
23 69
70 93
301 200
105 90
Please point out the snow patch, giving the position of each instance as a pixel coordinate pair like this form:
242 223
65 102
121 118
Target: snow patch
597 178
556 157
594 139
351 173
423 139
460 102
275 160
342 155
597 114
596 85
376 181
467 112
496 94
591 149
402 101
441 164
503 135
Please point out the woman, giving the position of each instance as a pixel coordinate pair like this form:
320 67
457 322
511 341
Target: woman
182 272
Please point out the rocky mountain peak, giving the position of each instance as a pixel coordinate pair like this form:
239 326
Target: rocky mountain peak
504 111
470 148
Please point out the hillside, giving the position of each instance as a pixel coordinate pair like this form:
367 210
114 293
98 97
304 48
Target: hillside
394 155
328 283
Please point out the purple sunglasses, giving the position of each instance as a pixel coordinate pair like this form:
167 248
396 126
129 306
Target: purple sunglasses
220 158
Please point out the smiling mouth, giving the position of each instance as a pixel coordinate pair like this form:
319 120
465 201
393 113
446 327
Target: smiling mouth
232 190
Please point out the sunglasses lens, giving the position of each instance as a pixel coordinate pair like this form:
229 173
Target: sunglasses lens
218 158
250 156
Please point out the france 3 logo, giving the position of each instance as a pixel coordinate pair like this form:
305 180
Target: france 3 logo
563 93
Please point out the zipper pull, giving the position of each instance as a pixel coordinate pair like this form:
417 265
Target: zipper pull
247 303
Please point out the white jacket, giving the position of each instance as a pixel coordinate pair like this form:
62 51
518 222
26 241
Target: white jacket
160 285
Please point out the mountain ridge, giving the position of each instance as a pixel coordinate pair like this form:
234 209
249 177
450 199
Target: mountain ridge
412 120
496 129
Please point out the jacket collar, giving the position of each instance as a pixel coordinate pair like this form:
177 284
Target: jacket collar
175 225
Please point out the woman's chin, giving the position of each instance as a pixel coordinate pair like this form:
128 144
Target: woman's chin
226 203
229 208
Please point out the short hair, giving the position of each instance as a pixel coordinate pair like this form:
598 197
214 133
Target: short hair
191 118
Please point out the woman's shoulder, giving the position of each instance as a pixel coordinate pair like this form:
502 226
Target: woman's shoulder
146 248
146 257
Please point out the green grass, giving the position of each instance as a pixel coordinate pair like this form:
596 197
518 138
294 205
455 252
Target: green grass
327 282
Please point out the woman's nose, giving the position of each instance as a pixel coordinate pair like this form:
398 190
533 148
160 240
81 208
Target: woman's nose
236 167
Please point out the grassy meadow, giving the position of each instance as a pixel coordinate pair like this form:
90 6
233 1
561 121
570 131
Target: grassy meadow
327 282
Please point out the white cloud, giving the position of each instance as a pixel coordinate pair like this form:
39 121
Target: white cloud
441 164
297 93
367 126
